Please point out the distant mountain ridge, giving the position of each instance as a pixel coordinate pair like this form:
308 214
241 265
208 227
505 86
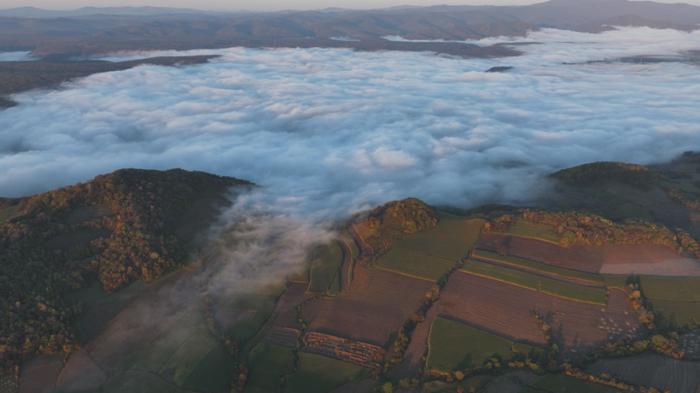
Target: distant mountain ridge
101 30
35 12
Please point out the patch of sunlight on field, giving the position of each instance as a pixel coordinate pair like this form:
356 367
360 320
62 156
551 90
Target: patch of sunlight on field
432 253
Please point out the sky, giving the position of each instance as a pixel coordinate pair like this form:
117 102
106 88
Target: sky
263 4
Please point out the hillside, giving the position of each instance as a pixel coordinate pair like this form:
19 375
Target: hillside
118 228
16 77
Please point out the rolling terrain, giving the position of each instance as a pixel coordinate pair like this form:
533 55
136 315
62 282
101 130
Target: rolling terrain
19 76
405 297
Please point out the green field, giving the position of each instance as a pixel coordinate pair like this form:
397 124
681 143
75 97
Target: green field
676 298
556 383
430 254
534 230
685 289
543 284
268 364
324 271
539 266
457 346
320 374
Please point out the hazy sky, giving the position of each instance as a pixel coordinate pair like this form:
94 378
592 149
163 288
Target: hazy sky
261 4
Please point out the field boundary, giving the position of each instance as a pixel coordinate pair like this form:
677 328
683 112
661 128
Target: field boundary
409 275
526 237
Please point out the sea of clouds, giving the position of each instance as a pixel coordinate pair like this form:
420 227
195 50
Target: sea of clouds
330 131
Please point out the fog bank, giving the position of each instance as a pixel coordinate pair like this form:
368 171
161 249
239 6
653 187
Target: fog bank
335 130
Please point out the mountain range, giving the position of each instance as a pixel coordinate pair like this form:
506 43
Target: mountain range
99 30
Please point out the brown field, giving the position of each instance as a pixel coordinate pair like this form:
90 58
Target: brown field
506 310
584 258
648 259
376 306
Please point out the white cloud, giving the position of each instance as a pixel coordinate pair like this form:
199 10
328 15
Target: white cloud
336 130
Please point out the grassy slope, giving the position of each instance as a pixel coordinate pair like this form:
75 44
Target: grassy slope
430 254
533 281
324 273
454 345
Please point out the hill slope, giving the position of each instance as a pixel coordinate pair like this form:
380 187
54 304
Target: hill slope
118 228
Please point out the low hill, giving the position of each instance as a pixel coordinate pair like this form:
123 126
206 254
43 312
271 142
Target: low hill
19 76
118 228
668 193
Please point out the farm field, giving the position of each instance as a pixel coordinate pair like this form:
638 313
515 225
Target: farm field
583 258
511 309
374 307
320 374
555 383
529 229
268 364
534 266
456 346
324 269
676 298
653 370
566 290
431 253
647 259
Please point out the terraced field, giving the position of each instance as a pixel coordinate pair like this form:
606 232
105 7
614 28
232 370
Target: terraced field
539 267
431 253
456 346
537 282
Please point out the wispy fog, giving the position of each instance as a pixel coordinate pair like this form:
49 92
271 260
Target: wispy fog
16 56
332 130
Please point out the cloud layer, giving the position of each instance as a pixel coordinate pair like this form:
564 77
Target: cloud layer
333 130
